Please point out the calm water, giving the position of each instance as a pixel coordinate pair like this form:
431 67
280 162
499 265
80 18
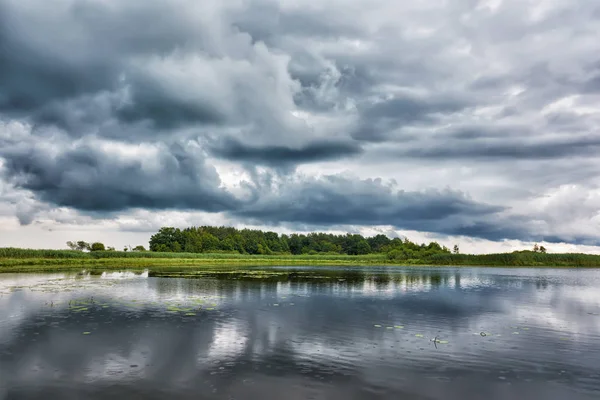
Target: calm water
501 334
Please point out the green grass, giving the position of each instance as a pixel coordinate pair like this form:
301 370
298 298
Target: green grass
15 253
21 260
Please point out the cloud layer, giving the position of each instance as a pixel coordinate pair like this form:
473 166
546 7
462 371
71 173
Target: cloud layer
474 118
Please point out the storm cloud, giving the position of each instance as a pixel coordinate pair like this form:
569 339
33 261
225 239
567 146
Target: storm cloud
282 155
467 118
93 177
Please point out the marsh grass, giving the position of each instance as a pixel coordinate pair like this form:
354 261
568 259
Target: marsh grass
27 260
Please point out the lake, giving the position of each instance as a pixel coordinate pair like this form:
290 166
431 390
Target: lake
361 333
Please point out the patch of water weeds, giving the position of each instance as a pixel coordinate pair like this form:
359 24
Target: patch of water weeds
341 277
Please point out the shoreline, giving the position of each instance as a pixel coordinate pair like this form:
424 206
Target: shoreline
24 265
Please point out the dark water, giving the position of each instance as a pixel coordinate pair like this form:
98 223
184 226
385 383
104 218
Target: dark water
358 336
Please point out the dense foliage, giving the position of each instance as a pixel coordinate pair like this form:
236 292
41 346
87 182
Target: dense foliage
209 239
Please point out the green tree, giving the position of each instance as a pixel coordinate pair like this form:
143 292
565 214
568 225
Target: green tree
97 246
456 249
227 244
362 247
139 248
81 245
377 242
176 247
167 236
209 242
542 249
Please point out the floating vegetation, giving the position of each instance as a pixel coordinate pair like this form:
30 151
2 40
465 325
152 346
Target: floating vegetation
190 314
399 326
419 335
377 326
389 327
86 333
435 341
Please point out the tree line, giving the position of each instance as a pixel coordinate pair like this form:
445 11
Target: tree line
210 239
222 239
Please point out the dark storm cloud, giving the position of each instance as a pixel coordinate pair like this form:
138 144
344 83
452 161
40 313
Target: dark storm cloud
499 149
335 200
40 67
380 119
91 179
232 149
167 111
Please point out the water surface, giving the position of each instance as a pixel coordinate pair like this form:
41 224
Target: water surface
368 333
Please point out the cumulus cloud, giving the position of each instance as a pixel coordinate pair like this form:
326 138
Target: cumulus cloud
105 117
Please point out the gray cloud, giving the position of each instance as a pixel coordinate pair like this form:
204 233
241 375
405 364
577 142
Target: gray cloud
503 150
282 155
188 71
89 178
380 119
338 200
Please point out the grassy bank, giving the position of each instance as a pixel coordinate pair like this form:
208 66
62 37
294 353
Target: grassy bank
20 260
13 259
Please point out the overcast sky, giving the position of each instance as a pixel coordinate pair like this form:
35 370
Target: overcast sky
463 121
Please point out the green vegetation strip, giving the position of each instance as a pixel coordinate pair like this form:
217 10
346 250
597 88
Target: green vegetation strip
21 260
207 246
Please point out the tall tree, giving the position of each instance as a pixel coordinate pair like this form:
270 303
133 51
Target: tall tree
97 246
